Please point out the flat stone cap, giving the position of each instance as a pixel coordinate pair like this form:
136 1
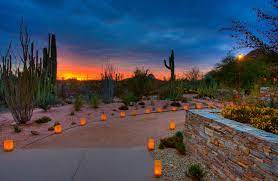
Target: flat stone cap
214 114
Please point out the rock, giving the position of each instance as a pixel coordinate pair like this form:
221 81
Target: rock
51 128
176 104
35 132
13 123
141 103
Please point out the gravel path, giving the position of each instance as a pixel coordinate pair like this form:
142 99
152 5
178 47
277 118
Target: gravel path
175 165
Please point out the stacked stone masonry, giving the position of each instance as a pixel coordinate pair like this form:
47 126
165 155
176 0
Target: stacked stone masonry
233 151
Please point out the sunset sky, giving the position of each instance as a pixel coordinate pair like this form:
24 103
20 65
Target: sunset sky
127 33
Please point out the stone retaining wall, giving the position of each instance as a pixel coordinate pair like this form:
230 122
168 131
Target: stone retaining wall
233 151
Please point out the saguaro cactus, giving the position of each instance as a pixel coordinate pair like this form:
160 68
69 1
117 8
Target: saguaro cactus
171 65
52 53
50 59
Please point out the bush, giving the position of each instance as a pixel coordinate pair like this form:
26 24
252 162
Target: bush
94 101
170 142
42 120
129 98
142 82
172 91
175 141
161 146
78 103
179 134
180 147
175 104
17 129
123 107
195 171
267 123
206 92
262 118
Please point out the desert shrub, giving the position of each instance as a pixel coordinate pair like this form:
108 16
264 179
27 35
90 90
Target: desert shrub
78 103
184 100
141 83
175 104
262 118
180 147
175 141
206 92
225 94
129 98
17 129
267 123
179 134
123 107
170 142
161 146
94 101
43 119
195 171
172 90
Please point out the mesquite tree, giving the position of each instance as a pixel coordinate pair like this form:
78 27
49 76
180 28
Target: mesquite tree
265 38
20 81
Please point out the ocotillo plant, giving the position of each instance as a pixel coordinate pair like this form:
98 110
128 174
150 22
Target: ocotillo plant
171 65
20 83
108 83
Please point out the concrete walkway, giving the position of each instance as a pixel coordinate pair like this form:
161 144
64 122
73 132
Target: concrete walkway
102 151
77 165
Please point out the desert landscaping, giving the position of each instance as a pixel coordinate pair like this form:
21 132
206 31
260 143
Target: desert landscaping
138 91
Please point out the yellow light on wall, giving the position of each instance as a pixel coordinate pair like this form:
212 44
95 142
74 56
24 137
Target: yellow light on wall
199 105
186 107
148 111
103 117
82 121
58 129
172 125
122 114
133 113
150 144
174 109
157 168
8 145
159 109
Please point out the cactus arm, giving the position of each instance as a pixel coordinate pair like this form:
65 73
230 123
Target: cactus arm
168 67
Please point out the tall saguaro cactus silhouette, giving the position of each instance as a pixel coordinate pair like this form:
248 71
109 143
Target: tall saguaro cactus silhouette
50 59
171 65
